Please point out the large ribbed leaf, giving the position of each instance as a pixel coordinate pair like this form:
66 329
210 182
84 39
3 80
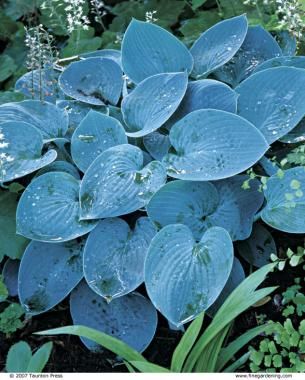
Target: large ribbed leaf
50 120
148 49
116 183
213 144
11 244
218 45
114 256
152 103
237 275
96 133
60 166
49 209
77 111
20 150
203 94
296 135
104 53
298 62
271 100
258 47
94 80
48 273
183 277
201 205
285 208
157 144
40 85
258 247
131 318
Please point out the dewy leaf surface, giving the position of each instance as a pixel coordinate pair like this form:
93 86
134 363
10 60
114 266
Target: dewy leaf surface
95 81
131 318
114 256
203 205
213 144
204 94
95 134
48 273
194 273
20 150
218 45
285 208
152 103
258 46
49 209
116 183
148 49
298 62
271 100
49 119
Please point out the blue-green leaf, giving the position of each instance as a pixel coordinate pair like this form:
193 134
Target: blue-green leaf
203 94
95 81
218 45
116 183
131 318
105 53
10 276
285 196
49 209
20 150
258 47
148 49
50 120
213 144
152 103
298 62
95 134
157 144
48 273
183 277
114 256
258 247
237 275
60 166
203 205
271 100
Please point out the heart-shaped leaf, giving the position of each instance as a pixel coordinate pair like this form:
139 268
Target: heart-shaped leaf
298 62
296 135
40 85
287 42
59 166
116 183
152 103
271 100
218 45
157 144
95 81
285 208
148 49
10 276
50 120
48 273
20 150
258 247
203 205
105 53
213 144
96 133
237 275
114 256
49 209
11 244
183 277
131 318
258 46
77 112
203 94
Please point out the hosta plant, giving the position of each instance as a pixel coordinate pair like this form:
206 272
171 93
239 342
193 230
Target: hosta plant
134 166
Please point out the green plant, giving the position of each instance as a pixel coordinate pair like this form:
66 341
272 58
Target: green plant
289 257
196 352
21 359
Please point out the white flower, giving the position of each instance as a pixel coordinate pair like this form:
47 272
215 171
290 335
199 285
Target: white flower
4 145
149 16
75 15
